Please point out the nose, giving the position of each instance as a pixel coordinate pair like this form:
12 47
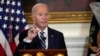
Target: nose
45 17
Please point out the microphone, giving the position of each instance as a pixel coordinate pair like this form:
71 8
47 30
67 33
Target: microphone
44 38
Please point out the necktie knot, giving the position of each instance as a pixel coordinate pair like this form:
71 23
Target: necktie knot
42 36
41 33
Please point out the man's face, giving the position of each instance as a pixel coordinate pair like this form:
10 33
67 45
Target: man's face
40 16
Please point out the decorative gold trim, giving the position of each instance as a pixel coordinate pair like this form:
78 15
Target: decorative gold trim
40 54
66 17
27 54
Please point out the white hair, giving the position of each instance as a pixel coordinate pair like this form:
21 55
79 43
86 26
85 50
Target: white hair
36 5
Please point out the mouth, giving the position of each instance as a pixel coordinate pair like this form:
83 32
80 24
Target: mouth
44 22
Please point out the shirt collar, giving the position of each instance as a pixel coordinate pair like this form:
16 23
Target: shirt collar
45 30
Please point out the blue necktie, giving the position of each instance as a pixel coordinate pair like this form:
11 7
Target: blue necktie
42 38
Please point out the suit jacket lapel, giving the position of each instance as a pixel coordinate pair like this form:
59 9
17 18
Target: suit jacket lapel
50 38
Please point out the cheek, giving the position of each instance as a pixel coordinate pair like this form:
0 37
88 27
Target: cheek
37 17
37 20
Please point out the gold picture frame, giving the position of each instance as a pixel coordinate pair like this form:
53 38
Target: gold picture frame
62 11
66 17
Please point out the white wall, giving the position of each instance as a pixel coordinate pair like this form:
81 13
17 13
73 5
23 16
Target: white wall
76 37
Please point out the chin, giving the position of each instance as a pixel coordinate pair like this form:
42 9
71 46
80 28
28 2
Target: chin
43 26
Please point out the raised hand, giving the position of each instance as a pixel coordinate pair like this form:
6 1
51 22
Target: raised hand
32 33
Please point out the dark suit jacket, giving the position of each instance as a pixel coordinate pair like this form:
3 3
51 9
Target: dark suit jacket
55 41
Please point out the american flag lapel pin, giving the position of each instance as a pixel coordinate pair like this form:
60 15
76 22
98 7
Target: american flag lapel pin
52 36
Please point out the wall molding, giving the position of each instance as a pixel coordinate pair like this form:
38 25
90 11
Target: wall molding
66 17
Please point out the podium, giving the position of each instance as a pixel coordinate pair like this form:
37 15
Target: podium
42 52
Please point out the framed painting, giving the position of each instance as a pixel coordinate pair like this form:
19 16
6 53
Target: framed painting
62 11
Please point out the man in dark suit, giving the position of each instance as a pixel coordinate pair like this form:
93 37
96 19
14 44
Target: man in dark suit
40 36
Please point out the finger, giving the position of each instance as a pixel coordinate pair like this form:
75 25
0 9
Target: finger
34 26
33 30
36 31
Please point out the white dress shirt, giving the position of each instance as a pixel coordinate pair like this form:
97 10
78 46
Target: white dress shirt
45 35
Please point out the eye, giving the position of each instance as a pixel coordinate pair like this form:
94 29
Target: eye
40 14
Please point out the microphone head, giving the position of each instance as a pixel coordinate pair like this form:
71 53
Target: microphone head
44 38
